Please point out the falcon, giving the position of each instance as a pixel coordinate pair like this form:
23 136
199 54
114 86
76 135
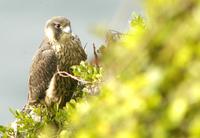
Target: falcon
59 51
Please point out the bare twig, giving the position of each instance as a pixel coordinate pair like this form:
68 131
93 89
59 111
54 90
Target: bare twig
66 74
96 59
114 31
85 46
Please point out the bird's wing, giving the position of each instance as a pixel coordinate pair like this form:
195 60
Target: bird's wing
80 49
42 70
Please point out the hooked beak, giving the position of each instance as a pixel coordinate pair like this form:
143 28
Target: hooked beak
67 29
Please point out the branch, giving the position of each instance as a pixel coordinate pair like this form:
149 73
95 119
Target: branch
66 74
85 46
96 59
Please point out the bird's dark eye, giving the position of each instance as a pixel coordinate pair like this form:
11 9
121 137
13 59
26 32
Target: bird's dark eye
57 26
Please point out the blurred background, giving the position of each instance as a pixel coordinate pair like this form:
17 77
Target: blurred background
21 26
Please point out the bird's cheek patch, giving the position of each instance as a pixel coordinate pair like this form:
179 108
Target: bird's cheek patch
49 33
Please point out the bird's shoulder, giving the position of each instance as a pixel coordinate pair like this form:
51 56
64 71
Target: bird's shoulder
44 56
79 47
45 50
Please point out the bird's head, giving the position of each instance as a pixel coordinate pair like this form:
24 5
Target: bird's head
57 29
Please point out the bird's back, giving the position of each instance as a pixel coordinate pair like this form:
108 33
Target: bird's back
42 70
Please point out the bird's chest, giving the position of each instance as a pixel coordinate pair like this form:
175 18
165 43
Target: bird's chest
66 55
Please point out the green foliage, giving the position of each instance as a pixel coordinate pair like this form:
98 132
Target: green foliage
137 20
89 77
87 72
6 131
42 121
150 86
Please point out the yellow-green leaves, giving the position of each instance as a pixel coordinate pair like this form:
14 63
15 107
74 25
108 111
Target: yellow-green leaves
150 86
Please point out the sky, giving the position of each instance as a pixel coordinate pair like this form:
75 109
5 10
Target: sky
21 32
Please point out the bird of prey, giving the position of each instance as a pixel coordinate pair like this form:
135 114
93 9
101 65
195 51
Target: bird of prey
59 50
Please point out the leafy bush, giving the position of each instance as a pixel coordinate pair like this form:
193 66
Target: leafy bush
150 85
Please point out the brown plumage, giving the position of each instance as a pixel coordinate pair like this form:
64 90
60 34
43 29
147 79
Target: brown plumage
59 50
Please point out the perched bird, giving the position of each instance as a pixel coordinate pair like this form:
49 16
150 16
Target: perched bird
59 50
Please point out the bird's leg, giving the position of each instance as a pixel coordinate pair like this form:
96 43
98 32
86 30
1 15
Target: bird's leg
51 93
